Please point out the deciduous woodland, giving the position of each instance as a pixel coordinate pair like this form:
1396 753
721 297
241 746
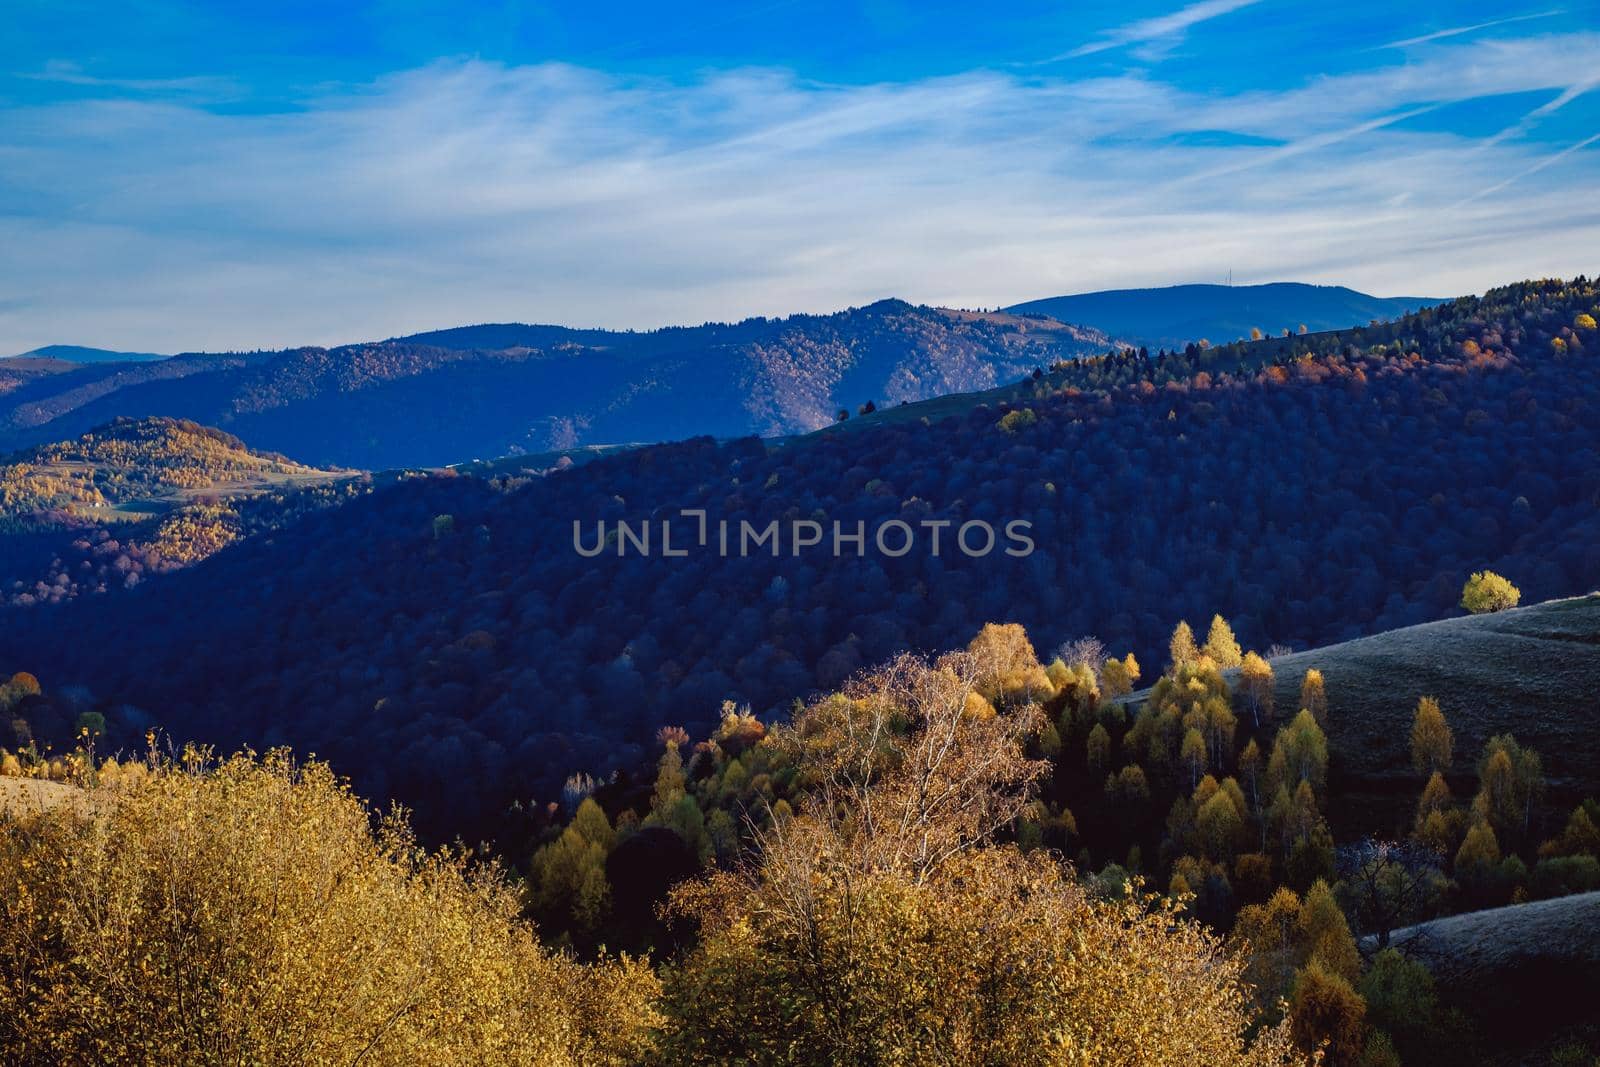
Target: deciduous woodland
977 858
441 642
861 809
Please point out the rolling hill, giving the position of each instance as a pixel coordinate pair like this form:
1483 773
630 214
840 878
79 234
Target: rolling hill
1522 971
1531 671
1313 491
133 468
1174 316
489 391
139 497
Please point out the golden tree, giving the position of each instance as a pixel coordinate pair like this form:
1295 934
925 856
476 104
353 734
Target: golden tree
1193 754
1486 592
1480 849
1181 650
1255 687
1432 743
1324 933
1098 747
1328 1013
1580 837
248 912
882 923
1118 676
1314 696
1300 754
1510 786
1221 645
1439 823
1265 936
568 881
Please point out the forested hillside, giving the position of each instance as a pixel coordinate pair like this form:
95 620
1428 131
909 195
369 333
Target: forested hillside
139 497
1232 800
483 392
443 638
980 846
82 354
148 463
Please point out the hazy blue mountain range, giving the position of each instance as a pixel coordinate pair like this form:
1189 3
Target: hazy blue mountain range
1175 315
485 391
80 354
478 392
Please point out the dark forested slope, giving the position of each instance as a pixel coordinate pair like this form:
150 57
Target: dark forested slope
442 639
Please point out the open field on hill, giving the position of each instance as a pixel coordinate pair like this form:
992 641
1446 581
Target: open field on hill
1525 969
135 469
1532 671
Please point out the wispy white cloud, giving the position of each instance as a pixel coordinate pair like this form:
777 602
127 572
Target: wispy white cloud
1547 161
469 191
64 72
1457 31
1158 33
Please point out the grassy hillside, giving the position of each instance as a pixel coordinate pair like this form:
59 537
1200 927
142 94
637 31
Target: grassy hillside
1174 316
142 496
1532 671
1521 971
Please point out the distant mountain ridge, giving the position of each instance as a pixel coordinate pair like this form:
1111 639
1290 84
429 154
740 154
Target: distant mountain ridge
1173 316
503 389
81 354
484 391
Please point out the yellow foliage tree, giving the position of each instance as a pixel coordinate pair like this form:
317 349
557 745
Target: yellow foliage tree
1487 592
1314 696
1181 650
1221 645
1432 743
1255 687
248 912
1328 1013
882 923
1324 933
1480 849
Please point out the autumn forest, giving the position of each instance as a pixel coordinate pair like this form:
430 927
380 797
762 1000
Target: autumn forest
1276 749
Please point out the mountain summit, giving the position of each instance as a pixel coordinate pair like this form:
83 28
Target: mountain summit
1175 315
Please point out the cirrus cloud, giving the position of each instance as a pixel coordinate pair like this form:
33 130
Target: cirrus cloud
468 191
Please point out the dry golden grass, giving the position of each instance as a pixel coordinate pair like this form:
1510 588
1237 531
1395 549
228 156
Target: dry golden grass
33 796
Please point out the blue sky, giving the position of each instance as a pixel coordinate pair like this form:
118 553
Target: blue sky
178 176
